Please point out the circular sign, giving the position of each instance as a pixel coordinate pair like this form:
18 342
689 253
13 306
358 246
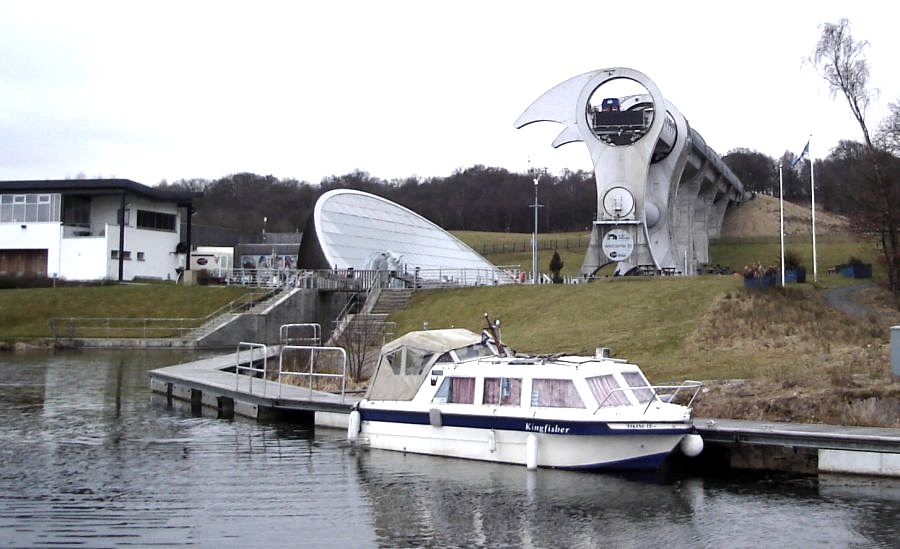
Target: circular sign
618 202
618 245
202 261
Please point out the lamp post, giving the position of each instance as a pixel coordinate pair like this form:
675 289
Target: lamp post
534 238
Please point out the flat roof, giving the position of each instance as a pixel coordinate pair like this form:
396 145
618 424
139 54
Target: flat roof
98 186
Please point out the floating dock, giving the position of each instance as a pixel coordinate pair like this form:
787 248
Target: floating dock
729 444
213 383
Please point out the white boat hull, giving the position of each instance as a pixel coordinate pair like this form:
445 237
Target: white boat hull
633 449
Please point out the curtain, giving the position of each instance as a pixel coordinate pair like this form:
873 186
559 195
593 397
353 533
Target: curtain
601 386
462 390
555 393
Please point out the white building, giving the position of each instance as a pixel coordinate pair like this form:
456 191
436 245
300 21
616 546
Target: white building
70 229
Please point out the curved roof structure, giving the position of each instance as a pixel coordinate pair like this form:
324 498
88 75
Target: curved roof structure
354 229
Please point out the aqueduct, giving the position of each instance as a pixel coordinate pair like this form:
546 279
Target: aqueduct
661 191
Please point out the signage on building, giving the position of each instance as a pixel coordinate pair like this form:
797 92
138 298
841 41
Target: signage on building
618 245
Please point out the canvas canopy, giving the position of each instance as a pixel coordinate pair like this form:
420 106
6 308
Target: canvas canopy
406 361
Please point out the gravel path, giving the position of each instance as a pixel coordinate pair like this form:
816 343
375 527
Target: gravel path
842 300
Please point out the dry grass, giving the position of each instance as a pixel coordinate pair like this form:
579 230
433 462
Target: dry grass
798 360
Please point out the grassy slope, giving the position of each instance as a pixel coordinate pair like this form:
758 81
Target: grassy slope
24 313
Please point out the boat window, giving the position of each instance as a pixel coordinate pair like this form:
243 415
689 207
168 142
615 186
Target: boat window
444 358
635 380
502 391
395 360
473 351
416 360
459 390
555 393
604 390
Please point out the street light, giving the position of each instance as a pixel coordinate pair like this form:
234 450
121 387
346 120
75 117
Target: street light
534 238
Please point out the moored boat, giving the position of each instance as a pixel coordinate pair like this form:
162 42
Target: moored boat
456 393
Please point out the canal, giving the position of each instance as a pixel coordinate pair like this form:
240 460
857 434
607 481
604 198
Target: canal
90 457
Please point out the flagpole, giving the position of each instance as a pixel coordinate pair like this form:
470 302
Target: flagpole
812 194
781 207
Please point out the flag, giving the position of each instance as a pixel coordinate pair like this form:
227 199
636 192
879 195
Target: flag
803 155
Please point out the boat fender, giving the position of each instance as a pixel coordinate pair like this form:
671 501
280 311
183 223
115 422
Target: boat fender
531 452
434 417
353 424
691 445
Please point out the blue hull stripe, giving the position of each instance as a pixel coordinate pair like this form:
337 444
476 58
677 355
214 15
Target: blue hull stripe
506 423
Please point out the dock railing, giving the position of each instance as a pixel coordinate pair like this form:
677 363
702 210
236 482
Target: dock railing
256 351
287 333
311 374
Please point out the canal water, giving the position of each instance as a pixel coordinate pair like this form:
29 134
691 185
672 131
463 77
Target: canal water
90 457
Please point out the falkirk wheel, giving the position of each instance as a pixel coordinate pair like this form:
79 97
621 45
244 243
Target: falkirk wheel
661 191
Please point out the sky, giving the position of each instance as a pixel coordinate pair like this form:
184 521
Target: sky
168 90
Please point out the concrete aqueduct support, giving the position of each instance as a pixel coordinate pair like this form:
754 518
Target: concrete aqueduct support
661 191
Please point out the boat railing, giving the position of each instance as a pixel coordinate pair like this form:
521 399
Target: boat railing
664 393
311 374
254 352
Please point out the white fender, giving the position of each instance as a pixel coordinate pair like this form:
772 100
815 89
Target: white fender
353 425
691 445
531 452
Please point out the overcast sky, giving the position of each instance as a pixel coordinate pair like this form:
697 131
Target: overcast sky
186 89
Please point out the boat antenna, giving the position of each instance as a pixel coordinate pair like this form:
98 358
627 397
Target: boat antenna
494 329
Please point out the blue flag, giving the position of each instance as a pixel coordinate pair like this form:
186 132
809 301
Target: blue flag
803 155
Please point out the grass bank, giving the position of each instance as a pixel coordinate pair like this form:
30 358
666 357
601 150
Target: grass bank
24 313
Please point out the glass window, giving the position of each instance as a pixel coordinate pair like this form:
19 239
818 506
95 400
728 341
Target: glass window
445 358
502 391
473 351
635 380
76 210
395 360
29 208
555 393
604 390
416 360
155 220
460 390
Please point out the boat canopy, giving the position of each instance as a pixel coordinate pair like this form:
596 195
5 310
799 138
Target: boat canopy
406 361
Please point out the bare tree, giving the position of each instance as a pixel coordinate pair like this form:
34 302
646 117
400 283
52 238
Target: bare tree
841 62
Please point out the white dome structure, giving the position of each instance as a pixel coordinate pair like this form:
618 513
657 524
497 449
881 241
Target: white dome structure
358 230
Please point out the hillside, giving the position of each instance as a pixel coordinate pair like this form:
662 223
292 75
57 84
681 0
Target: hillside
760 216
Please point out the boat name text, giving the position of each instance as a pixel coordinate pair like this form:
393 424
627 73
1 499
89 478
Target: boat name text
546 428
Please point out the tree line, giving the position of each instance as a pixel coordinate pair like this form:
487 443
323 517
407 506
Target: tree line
493 199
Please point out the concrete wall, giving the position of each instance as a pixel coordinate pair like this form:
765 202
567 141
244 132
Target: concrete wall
304 306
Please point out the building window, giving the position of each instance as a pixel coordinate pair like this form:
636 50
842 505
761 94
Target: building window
76 211
155 220
114 254
29 208
140 256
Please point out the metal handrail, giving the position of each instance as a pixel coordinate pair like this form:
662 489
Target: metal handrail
311 374
285 329
145 326
238 367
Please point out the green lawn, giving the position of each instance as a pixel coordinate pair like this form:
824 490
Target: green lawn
24 313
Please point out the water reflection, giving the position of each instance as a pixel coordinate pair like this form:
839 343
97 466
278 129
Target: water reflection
421 500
